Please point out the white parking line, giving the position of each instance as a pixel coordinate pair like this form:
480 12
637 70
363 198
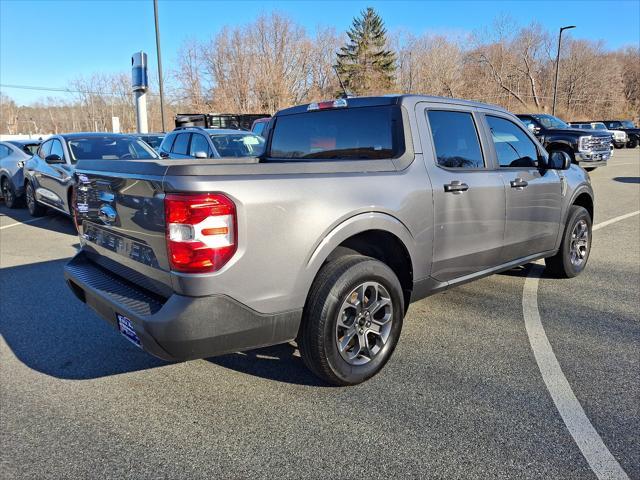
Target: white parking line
21 223
598 456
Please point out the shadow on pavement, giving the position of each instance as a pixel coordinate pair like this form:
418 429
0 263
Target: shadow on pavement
53 221
627 179
50 331
272 363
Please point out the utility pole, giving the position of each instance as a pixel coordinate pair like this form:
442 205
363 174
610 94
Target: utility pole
155 14
555 84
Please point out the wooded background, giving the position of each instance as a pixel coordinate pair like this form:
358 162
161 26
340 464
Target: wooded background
272 63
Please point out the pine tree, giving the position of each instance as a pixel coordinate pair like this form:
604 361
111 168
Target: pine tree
364 64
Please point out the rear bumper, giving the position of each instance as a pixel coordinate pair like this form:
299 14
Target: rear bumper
179 327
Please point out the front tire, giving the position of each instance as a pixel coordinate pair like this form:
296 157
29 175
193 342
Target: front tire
35 209
573 254
352 320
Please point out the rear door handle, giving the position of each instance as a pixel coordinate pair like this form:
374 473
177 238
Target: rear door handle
519 183
456 187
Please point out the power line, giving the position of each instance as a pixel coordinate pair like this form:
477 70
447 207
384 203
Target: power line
61 89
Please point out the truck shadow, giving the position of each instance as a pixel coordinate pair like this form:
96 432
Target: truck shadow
278 363
51 332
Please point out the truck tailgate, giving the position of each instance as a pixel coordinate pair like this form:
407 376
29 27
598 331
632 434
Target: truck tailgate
121 225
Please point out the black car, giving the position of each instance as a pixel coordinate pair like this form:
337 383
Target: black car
628 127
589 150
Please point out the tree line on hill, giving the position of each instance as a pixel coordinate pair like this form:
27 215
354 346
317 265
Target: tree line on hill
272 63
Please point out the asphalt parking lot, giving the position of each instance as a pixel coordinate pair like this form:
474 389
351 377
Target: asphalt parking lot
462 397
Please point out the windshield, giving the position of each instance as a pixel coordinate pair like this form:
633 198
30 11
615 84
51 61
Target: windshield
549 121
109 148
599 126
628 124
153 140
238 144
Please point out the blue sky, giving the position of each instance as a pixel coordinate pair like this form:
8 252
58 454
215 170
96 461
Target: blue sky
48 43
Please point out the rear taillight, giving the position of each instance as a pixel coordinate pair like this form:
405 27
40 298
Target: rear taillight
201 231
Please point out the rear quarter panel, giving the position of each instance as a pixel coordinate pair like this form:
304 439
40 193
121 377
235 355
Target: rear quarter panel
289 224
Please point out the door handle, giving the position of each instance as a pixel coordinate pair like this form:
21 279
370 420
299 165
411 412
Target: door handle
519 183
456 187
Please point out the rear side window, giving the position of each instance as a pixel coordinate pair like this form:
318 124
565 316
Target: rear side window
4 151
342 134
456 139
181 145
514 148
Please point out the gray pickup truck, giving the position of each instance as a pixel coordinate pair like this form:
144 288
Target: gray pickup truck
356 208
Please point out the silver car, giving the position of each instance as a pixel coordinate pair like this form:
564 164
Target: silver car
13 155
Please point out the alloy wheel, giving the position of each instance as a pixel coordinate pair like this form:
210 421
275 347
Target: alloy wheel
364 323
579 246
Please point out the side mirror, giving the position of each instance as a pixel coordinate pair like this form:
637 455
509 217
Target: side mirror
559 160
53 158
201 155
533 129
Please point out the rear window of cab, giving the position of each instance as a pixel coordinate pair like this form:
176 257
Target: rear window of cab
365 133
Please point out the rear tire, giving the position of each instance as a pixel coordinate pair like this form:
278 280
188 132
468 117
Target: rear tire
356 302
573 254
9 194
35 209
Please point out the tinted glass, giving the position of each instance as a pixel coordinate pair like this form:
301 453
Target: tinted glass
345 133
259 128
238 145
4 151
549 121
167 142
30 148
456 139
513 147
56 149
153 141
198 144
109 148
45 149
628 124
181 145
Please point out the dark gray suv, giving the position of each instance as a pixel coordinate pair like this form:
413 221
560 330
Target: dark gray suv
49 174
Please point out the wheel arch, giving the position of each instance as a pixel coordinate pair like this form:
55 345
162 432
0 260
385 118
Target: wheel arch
377 235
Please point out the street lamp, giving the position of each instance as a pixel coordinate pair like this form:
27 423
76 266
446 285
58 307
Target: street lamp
555 84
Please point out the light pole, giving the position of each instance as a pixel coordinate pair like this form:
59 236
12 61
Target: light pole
555 84
155 15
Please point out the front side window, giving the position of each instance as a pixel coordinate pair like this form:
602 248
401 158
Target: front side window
198 144
513 147
181 145
365 133
455 139
56 149
45 148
